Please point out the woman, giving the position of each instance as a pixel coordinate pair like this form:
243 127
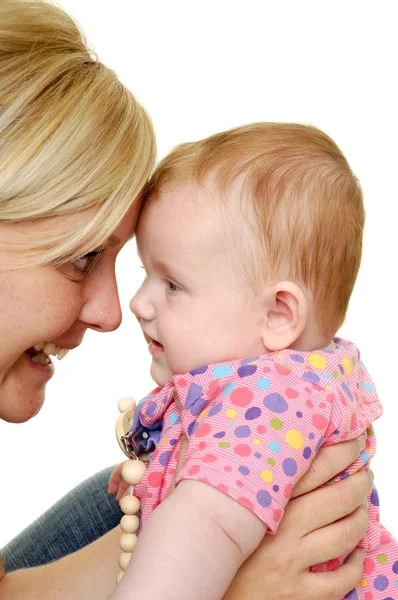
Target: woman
76 150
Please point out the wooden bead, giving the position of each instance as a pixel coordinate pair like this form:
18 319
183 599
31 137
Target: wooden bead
128 541
133 471
124 560
119 577
129 523
130 505
126 403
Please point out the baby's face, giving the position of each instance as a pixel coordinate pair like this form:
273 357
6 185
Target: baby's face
194 306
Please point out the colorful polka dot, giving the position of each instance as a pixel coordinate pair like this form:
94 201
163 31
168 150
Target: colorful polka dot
271 461
267 476
264 499
294 439
275 403
173 419
319 421
164 458
228 388
276 424
244 470
192 427
311 376
274 446
203 430
374 497
242 450
231 413
155 479
382 559
241 396
242 431
199 371
290 467
221 371
263 383
247 370
347 391
380 583
151 408
347 366
215 409
317 361
297 358
253 413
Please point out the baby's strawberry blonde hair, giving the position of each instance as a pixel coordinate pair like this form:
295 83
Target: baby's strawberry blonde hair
306 202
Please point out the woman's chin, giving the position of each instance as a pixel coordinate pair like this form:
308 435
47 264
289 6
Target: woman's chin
23 409
18 402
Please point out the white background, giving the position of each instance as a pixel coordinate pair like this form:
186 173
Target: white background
200 67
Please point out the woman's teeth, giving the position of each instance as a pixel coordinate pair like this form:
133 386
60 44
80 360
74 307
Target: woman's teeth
47 349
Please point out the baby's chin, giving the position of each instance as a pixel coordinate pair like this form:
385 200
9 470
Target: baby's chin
160 374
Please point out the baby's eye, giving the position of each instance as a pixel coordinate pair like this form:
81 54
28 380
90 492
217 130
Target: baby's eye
86 263
172 287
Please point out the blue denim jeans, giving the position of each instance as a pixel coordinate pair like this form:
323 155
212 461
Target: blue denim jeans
83 515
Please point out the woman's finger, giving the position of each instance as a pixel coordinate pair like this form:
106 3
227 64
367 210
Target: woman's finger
337 539
329 461
326 505
336 584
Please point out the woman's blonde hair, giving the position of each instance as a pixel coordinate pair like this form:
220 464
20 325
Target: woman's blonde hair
307 205
72 136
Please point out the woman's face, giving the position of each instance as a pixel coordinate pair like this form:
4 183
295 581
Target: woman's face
49 305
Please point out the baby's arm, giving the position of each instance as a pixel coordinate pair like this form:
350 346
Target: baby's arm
192 546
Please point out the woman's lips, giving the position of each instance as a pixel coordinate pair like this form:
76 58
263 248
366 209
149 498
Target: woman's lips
45 368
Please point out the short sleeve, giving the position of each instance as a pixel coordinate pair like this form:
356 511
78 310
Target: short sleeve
255 437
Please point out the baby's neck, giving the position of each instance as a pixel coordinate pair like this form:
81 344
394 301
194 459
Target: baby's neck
312 340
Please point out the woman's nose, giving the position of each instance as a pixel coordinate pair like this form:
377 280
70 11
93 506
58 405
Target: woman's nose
101 310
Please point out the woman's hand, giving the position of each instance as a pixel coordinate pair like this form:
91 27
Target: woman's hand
317 526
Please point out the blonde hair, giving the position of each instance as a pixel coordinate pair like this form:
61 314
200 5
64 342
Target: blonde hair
72 136
306 202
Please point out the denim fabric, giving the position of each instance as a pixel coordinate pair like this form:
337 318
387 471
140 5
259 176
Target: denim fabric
83 515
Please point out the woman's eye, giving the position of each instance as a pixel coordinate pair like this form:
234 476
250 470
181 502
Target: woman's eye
86 263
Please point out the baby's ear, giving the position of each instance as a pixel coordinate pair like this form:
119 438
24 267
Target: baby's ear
286 315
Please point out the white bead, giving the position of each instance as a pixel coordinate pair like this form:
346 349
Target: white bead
129 523
130 505
128 541
126 403
124 560
119 577
133 471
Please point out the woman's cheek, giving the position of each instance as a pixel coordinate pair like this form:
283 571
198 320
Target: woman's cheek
64 306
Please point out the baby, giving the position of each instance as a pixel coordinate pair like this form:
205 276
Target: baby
251 243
